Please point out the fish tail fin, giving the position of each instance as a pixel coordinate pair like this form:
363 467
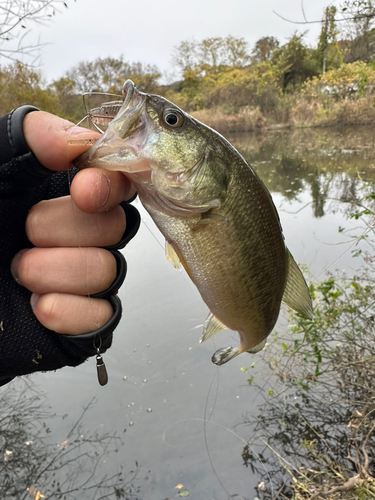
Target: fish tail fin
225 354
296 293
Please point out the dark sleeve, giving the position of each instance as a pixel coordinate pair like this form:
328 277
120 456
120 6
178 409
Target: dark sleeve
25 345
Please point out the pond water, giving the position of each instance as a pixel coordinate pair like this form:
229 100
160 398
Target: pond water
170 424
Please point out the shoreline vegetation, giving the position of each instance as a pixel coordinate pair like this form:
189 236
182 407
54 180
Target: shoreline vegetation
227 85
301 112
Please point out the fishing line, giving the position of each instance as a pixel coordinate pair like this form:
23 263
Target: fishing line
208 420
205 422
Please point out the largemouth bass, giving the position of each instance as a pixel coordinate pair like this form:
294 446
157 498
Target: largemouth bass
218 218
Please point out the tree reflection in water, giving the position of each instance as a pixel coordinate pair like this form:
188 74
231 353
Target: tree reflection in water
32 465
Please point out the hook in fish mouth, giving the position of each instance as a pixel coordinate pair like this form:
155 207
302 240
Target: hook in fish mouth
120 147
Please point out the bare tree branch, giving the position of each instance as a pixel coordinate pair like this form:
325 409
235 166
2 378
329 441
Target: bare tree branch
353 18
14 16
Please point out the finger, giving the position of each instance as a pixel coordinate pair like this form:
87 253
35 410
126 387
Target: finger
97 190
71 314
55 141
59 223
79 271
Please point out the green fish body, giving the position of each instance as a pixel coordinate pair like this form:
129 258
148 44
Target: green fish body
217 217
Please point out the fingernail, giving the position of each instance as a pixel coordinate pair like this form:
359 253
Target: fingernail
75 130
34 300
103 189
14 264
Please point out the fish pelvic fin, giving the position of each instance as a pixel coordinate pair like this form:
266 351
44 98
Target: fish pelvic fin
171 255
213 325
257 347
296 293
225 354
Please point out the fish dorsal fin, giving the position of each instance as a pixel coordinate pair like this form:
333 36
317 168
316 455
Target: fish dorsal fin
296 293
213 325
172 256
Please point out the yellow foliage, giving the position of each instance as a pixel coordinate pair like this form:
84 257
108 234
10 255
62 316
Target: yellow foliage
349 79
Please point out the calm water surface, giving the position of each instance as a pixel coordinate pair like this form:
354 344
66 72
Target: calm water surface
169 417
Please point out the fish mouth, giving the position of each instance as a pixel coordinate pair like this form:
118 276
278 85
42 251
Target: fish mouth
120 147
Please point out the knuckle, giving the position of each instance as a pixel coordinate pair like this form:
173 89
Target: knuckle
103 268
27 269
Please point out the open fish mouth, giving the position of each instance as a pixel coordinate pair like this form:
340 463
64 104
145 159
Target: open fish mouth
120 147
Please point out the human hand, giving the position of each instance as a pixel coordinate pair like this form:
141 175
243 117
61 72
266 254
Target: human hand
67 262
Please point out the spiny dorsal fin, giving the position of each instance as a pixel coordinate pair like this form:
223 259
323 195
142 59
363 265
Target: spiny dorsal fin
296 293
213 325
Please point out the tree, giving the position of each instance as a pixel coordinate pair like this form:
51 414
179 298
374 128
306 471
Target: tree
296 61
22 85
210 53
185 56
14 18
109 75
359 18
264 49
328 51
236 51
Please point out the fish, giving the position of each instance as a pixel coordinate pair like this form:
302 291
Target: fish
218 218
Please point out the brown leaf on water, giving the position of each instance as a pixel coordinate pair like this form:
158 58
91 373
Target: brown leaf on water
34 493
179 486
64 444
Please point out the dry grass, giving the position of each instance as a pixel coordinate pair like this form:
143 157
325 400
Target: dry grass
247 119
297 111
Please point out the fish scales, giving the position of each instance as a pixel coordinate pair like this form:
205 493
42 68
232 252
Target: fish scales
217 216
214 255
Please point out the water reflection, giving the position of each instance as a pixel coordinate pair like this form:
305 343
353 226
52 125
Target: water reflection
332 164
192 436
34 465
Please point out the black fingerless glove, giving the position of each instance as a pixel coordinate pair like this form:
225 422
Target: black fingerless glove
25 345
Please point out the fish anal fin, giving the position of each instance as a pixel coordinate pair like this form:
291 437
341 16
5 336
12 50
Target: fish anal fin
296 293
172 256
213 325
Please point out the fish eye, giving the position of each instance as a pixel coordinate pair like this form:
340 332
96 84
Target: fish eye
173 118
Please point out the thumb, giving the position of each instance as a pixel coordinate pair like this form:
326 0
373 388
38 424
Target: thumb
55 141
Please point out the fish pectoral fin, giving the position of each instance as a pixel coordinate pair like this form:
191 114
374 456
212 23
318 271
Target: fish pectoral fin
225 354
257 347
296 293
172 256
213 325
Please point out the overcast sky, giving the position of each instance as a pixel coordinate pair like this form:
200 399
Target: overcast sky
147 30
